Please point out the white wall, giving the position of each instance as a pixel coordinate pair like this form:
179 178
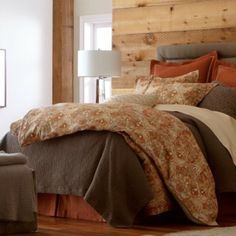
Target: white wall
82 8
92 7
26 34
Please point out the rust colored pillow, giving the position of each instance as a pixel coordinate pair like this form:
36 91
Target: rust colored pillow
203 64
224 72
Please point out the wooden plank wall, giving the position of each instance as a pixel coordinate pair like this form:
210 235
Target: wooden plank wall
140 26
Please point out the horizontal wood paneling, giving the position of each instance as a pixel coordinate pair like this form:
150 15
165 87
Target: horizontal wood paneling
125 82
129 71
145 3
118 91
180 17
140 26
137 47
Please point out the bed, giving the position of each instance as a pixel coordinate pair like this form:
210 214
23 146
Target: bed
101 169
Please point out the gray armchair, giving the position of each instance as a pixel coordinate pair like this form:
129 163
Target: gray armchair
18 205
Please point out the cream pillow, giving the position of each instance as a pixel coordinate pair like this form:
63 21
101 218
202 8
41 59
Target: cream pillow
142 83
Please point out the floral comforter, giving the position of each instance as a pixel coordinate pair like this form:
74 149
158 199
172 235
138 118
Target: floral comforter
170 156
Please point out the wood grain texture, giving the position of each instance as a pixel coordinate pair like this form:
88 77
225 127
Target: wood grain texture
50 226
179 17
122 91
146 3
140 26
63 34
138 47
130 71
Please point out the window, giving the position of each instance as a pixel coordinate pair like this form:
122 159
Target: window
95 33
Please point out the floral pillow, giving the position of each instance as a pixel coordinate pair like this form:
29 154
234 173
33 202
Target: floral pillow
142 99
145 82
182 93
175 93
191 77
142 83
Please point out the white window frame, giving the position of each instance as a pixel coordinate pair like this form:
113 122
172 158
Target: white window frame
91 20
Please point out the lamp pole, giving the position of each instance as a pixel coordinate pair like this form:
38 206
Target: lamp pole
97 90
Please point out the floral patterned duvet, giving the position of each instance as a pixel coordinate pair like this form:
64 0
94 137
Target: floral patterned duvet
170 156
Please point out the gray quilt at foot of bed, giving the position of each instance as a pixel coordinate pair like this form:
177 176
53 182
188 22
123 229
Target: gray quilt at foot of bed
99 166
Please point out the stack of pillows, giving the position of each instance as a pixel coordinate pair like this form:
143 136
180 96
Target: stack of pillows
205 82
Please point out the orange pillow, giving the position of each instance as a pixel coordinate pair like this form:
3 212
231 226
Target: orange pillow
224 72
168 69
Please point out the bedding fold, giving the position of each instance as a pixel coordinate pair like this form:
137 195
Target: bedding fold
222 125
217 156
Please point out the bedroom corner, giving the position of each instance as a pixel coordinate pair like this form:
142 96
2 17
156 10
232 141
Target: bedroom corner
157 155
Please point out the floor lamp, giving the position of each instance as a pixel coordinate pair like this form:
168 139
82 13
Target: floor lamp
99 64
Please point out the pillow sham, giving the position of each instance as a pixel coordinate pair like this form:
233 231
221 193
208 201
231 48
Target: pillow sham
142 99
144 83
167 69
182 93
221 99
224 72
191 77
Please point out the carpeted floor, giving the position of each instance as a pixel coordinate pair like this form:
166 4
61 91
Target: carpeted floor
219 231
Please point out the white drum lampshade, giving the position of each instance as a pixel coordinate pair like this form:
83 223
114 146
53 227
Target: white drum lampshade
99 63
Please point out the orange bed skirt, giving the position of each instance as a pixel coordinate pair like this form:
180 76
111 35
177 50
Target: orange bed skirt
67 206
74 207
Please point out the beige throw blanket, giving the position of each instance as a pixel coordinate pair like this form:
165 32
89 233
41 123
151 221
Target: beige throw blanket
165 146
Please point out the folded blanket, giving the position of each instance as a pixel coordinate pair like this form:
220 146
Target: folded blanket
12 158
18 197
